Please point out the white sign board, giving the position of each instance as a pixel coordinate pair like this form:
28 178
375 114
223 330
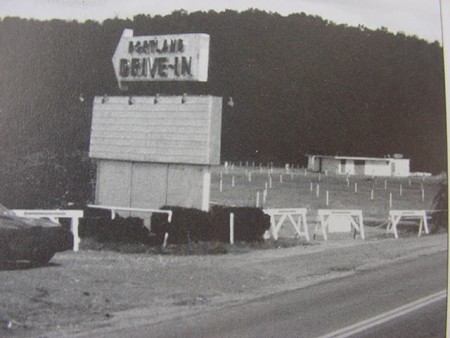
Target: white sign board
178 57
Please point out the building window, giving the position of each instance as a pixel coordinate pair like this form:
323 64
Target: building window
360 162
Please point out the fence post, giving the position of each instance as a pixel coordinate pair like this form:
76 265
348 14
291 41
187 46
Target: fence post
76 237
231 228
166 237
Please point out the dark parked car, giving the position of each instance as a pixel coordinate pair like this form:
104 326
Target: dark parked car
34 240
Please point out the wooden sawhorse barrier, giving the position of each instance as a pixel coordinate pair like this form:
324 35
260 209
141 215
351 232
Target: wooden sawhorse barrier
300 226
396 215
55 215
355 218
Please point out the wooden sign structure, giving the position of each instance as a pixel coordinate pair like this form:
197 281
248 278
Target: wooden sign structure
341 220
300 225
396 215
155 151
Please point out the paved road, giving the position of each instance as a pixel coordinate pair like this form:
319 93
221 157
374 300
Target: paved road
426 322
325 308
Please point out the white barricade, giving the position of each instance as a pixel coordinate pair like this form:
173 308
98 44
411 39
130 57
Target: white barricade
396 215
299 225
55 215
353 217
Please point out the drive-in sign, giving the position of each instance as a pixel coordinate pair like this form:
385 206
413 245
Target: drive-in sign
179 57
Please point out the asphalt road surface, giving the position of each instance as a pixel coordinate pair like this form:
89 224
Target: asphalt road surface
404 299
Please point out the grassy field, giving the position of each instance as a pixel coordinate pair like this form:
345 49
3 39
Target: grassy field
297 188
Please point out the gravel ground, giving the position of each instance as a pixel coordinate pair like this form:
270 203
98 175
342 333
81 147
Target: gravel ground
102 289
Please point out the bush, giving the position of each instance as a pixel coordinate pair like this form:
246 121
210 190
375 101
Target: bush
440 201
193 225
97 224
250 224
187 225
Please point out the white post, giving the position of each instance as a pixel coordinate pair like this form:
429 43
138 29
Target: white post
221 175
166 237
409 181
356 187
233 183
305 171
281 178
348 182
318 190
249 176
423 195
270 182
390 200
371 195
401 190
265 186
231 228
292 175
326 172
311 186
257 199
385 185
327 197
264 195
74 229
221 185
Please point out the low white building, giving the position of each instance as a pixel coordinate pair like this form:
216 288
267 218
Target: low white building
371 166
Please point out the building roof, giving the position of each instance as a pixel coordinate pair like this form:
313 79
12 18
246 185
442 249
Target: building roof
358 158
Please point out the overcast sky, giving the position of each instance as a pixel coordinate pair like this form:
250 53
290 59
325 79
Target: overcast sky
413 17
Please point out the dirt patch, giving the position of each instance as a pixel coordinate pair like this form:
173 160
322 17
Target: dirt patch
100 288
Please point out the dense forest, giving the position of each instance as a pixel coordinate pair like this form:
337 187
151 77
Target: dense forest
300 85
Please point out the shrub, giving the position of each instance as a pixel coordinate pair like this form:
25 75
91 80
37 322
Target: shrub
250 224
440 201
98 224
187 225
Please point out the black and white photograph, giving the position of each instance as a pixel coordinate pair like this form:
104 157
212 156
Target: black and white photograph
224 168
